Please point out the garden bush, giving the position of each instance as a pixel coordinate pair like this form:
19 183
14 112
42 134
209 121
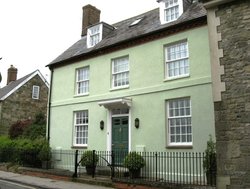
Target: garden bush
26 143
28 128
6 146
16 130
34 131
22 151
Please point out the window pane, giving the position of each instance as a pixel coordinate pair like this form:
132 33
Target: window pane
94 35
177 60
179 121
120 72
83 80
81 127
35 92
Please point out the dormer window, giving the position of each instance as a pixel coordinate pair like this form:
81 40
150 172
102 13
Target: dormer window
170 10
94 35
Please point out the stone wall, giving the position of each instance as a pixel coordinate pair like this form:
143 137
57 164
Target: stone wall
233 112
21 106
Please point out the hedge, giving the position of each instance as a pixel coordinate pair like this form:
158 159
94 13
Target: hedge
21 151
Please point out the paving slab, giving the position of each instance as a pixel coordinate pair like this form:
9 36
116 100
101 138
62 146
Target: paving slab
45 183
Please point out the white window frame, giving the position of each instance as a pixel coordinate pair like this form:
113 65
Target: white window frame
35 92
82 83
177 65
120 73
170 5
183 127
80 128
94 35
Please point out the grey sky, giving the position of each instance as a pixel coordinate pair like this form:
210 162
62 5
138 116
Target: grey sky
34 32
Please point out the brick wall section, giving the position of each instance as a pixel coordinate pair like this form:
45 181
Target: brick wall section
233 112
21 106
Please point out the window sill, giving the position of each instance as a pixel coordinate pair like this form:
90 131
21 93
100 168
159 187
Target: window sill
81 95
175 78
119 88
180 147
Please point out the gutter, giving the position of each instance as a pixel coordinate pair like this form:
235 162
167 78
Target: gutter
49 106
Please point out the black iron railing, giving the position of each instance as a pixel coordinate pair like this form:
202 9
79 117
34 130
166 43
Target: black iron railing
176 168
159 168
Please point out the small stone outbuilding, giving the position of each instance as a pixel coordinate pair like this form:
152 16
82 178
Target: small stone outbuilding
22 99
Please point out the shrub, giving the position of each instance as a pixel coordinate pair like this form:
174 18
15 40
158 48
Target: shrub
87 158
16 130
209 162
134 161
45 151
23 151
6 147
34 131
40 119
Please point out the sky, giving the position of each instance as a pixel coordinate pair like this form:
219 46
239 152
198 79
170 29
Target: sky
35 32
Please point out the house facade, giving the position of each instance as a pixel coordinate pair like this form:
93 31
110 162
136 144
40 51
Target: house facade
22 99
143 84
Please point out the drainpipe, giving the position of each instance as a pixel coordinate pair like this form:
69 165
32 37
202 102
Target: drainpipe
49 105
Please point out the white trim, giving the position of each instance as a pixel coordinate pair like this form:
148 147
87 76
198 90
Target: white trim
129 130
109 130
37 72
109 104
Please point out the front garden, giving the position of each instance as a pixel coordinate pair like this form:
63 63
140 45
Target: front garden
25 144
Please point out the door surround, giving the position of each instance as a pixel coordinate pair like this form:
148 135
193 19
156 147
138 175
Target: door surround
109 128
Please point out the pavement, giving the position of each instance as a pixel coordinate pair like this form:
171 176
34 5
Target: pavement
44 183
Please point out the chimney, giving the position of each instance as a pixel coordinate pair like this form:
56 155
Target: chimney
90 16
12 74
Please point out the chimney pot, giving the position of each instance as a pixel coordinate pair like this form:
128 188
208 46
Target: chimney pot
12 74
90 16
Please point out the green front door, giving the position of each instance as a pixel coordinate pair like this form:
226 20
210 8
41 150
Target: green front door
120 138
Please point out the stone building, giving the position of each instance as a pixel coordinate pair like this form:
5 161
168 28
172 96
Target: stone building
22 99
229 32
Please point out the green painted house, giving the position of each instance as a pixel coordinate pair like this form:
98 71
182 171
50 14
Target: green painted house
141 84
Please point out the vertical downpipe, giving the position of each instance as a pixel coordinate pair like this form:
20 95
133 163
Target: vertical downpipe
49 105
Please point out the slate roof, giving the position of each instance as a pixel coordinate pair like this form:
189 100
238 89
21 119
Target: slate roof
14 85
124 32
